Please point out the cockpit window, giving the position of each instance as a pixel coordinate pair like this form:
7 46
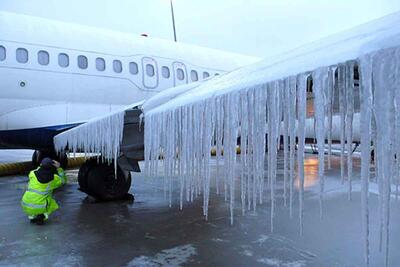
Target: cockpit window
206 75
22 55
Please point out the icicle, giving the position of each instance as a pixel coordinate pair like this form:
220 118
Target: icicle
219 130
182 123
349 122
190 154
301 97
272 141
342 111
207 138
261 130
252 146
330 104
374 141
292 134
320 77
100 135
397 124
365 131
384 71
249 103
230 147
286 94
243 146
225 146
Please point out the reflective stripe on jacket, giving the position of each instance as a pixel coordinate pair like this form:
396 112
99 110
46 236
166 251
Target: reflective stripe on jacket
38 197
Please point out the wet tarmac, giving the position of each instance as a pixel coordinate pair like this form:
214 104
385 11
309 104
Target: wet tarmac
149 233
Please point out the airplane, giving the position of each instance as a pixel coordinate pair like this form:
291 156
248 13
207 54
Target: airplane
331 52
56 75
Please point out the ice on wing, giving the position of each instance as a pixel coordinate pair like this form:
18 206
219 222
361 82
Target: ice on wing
182 126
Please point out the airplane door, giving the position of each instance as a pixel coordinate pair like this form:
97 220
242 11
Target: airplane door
180 73
150 73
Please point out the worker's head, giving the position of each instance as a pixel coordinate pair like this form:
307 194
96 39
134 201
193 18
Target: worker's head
47 163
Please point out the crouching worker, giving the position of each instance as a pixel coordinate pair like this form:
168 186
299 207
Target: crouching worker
37 201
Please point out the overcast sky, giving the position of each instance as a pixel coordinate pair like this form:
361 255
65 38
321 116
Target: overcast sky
254 27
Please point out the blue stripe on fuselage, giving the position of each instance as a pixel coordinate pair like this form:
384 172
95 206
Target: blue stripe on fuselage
33 138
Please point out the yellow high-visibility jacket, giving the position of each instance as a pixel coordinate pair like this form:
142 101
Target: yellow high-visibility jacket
38 198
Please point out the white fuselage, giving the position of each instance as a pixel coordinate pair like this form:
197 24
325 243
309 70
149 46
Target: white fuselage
54 73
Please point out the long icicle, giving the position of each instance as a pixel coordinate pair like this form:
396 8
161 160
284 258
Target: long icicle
292 137
349 122
383 69
301 97
330 104
397 125
272 112
243 147
320 78
285 140
365 130
342 111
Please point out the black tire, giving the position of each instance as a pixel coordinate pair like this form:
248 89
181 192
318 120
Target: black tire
83 175
101 182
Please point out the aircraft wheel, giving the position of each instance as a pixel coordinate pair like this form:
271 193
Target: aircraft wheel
98 180
83 175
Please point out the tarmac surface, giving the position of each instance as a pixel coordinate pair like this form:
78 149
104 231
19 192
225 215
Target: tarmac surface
15 155
149 233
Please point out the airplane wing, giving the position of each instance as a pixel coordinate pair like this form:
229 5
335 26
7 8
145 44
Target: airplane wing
118 132
105 135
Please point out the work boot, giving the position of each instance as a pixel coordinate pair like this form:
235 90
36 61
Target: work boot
39 220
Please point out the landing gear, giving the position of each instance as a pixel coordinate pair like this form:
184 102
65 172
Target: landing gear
97 179
38 155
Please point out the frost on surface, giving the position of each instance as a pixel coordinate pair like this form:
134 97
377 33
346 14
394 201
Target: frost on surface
255 117
365 122
248 107
100 136
321 82
177 256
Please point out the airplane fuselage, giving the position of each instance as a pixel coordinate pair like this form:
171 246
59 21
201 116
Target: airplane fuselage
55 75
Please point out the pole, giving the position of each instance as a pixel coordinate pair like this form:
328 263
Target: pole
173 20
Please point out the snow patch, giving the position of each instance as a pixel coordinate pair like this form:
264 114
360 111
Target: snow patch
247 253
219 240
262 239
279 263
176 256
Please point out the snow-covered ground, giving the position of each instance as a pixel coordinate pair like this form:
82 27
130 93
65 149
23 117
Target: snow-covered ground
15 155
